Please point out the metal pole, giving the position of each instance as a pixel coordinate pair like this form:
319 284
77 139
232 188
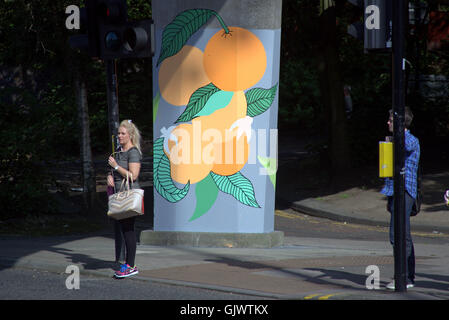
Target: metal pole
113 120
112 93
399 10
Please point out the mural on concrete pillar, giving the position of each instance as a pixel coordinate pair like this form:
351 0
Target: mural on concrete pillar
208 144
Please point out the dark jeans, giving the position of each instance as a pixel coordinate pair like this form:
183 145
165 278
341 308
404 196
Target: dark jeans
409 248
124 231
119 242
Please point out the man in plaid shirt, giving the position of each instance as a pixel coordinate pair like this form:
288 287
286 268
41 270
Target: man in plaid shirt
412 153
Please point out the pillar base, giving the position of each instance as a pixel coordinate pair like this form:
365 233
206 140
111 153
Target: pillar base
212 239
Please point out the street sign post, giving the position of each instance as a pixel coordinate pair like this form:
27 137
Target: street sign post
383 30
398 70
375 28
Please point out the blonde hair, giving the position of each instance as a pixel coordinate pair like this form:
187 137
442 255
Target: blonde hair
134 133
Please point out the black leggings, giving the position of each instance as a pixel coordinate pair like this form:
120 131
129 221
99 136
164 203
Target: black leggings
130 239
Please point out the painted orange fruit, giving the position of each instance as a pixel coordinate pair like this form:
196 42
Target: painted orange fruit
232 157
222 119
180 75
186 156
236 60
230 154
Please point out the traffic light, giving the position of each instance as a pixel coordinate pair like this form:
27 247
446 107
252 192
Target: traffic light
109 33
127 40
119 38
376 27
81 41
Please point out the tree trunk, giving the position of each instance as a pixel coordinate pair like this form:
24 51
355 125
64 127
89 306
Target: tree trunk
87 168
333 95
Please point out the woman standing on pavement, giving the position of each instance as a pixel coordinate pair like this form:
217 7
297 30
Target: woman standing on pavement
127 161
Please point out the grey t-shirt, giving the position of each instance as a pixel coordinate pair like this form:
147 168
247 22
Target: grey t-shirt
123 158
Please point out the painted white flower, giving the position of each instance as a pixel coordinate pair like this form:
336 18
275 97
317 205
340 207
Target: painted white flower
243 125
167 135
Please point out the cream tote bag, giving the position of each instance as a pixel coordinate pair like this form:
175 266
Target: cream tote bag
127 202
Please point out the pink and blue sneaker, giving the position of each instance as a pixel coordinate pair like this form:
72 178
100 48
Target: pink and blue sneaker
126 271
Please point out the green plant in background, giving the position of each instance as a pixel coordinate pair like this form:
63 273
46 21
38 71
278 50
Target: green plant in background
22 182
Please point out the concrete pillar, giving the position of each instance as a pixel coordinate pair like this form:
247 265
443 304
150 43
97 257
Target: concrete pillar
216 68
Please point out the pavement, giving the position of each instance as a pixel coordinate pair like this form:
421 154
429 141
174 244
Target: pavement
302 268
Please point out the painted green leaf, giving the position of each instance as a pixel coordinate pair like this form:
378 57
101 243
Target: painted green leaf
259 100
161 175
206 192
197 101
238 186
183 26
270 165
156 101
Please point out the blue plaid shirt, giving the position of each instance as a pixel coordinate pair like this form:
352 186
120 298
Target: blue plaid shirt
412 152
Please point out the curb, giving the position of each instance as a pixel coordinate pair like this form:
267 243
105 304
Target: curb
318 209
321 210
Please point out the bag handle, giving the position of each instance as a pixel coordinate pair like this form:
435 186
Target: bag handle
125 183
112 171
129 176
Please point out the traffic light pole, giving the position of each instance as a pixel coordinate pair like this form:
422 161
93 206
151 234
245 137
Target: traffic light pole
399 10
113 120
112 94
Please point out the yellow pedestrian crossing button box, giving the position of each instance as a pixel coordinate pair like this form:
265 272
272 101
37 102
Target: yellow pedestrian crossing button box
385 159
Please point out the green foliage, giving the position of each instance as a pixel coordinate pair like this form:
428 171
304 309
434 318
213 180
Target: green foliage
24 147
300 105
139 9
57 118
369 77
135 94
299 96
